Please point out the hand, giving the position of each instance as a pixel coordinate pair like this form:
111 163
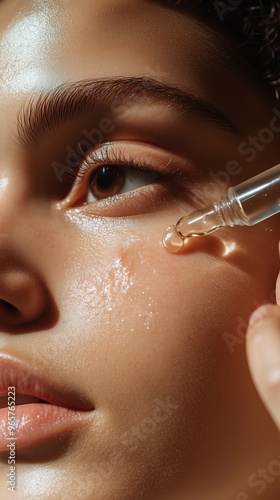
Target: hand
263 352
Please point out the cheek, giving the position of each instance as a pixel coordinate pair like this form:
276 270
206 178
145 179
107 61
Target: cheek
142 310
132 297
168 330
136 302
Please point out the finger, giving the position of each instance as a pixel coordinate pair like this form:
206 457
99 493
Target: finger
277 291
277 288
263 352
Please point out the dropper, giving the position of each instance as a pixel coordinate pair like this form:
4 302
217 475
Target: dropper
246 204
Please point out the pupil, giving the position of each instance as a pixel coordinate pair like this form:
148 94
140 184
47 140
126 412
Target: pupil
106 178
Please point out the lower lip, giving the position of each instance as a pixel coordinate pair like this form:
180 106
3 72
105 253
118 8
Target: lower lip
35 422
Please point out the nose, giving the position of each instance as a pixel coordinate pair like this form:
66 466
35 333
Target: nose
22 297
23 293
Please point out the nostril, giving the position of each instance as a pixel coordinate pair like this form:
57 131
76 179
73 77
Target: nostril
8 306
23 297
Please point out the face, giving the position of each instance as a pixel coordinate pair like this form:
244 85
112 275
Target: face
118 118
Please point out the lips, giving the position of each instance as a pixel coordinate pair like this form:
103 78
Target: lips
30 382
21 400
43 408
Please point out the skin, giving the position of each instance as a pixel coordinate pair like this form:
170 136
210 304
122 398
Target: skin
129 325
262 344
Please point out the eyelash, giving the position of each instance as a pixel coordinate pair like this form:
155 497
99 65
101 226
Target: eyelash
113 156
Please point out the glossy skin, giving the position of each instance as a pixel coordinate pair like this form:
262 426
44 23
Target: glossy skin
104 309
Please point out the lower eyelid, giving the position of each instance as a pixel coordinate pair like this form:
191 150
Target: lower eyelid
168 191
140 201
150 199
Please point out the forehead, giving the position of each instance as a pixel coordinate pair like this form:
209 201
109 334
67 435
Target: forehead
45 42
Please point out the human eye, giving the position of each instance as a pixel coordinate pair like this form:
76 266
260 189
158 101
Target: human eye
121 178
111 171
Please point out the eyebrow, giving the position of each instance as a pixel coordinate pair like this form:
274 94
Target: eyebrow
68 101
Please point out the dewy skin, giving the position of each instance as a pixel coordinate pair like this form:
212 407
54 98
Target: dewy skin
247 204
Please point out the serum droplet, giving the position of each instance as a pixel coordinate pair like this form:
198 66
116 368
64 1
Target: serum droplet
171 240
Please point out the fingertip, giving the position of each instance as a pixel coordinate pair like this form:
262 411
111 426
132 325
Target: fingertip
263 355
264 311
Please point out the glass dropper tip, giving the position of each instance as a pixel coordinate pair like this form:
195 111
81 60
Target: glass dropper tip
246 204
172 241
199 223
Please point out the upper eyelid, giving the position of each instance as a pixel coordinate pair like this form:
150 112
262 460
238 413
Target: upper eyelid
113 153
117 151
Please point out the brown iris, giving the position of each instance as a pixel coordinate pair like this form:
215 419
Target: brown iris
106 181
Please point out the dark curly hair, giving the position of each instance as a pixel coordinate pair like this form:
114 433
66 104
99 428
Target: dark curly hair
253 25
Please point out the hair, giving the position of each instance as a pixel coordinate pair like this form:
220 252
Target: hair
253 25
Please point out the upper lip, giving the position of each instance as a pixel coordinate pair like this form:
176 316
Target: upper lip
14 373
